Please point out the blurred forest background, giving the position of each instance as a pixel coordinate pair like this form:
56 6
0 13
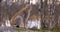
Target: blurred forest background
30 14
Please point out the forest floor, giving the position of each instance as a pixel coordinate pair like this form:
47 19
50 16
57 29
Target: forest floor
40 30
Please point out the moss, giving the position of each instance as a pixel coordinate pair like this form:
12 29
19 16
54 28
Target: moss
34 29
56 29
